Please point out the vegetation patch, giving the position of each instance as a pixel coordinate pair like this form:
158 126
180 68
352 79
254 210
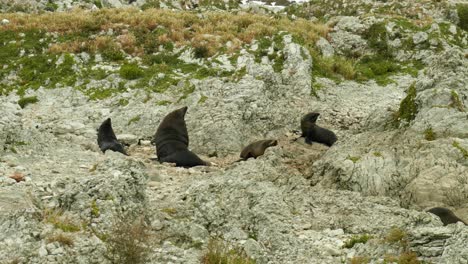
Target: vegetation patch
376 67
396 235
357 239
220 252
353 159
59 221
461 149
429 134
359 260
62 239
127 241
456 102
134 120
462 11
131 71
408 107
23 102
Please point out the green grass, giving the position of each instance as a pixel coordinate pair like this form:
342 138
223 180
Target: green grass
23 102
131 71
429 134
462 11
408 107
461 149
357 239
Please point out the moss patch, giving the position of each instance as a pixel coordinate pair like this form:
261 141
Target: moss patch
462 11
131 71
429 134
461 149
408 107
456 102
23 102
357 239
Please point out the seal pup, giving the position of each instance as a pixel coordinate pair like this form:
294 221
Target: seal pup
107 139
257 148
312 132
445 215
172 141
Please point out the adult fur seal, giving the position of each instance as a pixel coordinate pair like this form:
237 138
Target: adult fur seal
312 132
257 148
172 141
107 139
445 215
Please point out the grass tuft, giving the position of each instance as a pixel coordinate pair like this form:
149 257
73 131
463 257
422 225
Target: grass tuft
219 252
23 102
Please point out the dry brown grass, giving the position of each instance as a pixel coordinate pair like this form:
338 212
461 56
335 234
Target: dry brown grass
216 28
61 238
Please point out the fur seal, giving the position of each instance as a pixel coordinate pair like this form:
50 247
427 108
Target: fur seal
172 141
312 132
257 148
445 215
107 139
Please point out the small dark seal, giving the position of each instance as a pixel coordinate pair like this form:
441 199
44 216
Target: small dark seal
107 139
445 215
312 132
257 148
172 141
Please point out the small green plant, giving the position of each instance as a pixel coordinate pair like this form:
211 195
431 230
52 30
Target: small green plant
377 154
201 52
396 235
23 102
408 107
163 102
219 252
461 149
462 11
353 159
202 99
123 102
357 239
94 209
429 134
59 221
456 102
134 119
131 72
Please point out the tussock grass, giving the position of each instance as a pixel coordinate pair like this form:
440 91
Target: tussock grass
185 27
219 252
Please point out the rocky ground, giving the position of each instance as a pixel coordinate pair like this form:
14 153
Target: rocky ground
389 78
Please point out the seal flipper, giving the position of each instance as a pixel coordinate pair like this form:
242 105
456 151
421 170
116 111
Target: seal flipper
184 158
107 139
308 140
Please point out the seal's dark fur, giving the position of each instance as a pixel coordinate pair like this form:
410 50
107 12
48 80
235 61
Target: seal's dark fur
107 139
172 141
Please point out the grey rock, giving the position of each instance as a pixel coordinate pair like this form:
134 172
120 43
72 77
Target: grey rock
420 37
325 47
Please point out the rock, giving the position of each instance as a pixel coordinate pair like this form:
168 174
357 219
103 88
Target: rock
5 21
420 37
325 47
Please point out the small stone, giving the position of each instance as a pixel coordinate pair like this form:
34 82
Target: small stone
5 21
42 251
420 37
